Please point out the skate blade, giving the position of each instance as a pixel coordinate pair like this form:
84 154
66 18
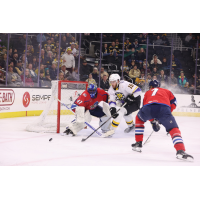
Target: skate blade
127 130
139 150
188 159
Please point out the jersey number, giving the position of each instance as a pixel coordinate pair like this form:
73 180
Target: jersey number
155 90
79 101
131 86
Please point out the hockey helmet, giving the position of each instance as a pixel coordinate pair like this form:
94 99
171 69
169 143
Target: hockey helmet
154 83
114 77
92 90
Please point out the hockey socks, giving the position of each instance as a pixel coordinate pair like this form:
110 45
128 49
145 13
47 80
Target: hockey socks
177 139
139 129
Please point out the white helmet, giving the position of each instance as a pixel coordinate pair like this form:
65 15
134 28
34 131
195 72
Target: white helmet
114 77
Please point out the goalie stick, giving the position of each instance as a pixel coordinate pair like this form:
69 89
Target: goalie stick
83 140
98 133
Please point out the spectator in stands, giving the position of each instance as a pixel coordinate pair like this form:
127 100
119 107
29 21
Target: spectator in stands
192 82
29 56
64 42
90 80
23 40
3 61
53 72
13 79
96 64
125 68
32 73
95 75
164 63
43 57
103 72
104 84
134 73
154 72
144 69
198 85
158 41
48 44
165 41
141 54
48 59
156 64
182 80
15 59
10 53
61 76
68 60
188 38
75 74
48 49
163 79
140 81
173 83
69 38
85 69
34 63
64 71
43 38
149 79
155 60
114 50
127 44
118 44
28 80
130 55
42 80
154 77
105 50
135 45
19 69
176 65
140 39
132 64
73 48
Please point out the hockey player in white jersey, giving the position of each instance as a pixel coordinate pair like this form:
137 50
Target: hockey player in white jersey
121 92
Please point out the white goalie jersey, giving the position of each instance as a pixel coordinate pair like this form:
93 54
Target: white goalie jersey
119 95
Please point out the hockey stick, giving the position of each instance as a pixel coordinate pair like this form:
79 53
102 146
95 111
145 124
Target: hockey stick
98 133
148 138
83 140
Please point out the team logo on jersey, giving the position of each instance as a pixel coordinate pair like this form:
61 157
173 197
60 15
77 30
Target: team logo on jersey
94 105
85 95
119 96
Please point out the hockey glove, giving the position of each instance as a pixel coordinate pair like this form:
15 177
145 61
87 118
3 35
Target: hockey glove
155 125
68 131
113 112
129 99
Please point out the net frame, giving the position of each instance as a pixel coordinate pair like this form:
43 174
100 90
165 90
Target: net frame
59 97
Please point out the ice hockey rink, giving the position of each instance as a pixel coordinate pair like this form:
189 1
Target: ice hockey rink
21 148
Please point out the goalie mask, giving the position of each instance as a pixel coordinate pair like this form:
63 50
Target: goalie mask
92 90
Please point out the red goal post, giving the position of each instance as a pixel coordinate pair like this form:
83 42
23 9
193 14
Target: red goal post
64 85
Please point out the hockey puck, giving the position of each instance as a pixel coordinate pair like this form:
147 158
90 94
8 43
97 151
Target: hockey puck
50 139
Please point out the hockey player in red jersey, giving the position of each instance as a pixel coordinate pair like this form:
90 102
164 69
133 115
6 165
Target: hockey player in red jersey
85 106
158 103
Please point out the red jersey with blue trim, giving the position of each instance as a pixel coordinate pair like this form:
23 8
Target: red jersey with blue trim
91 103
160 96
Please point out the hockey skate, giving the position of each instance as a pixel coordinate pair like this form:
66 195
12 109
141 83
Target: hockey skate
183 156
137 147
107 134
127 130
68 131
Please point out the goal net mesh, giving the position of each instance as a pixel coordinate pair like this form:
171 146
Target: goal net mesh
47 121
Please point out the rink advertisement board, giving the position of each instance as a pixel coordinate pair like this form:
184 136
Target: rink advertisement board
20 102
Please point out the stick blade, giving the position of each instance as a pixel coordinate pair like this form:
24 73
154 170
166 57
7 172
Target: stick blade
83 140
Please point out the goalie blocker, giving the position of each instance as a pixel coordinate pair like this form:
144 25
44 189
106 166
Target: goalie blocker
86 105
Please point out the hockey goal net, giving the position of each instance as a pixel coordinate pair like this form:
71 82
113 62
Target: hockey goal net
57 116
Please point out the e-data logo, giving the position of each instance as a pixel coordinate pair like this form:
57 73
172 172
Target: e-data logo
26 99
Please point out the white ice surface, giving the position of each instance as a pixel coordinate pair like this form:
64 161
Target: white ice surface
19 147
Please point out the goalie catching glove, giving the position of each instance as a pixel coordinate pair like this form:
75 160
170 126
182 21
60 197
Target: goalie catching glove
155 125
